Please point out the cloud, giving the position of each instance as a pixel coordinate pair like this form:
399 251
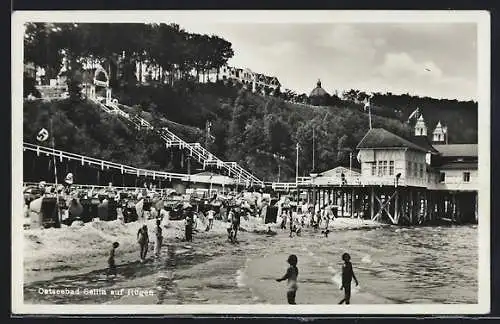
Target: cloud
437 60
401 73
403 65
348 40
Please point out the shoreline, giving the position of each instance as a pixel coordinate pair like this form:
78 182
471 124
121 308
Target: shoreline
51 253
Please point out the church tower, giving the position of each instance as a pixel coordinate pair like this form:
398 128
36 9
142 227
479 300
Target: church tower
420 128
439 134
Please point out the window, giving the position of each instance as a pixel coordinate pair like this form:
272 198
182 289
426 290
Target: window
391 168
379 168
409 169
384 168
441 177
466 176
415 170
374 168
422 170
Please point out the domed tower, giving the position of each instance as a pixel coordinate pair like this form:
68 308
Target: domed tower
318 95
420 127
439 133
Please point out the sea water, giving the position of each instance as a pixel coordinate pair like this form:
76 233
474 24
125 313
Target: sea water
393 265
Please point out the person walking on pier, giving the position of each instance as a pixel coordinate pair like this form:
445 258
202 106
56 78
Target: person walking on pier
291 274
347 276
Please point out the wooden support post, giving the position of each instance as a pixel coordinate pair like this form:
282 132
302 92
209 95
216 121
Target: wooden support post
426 206
454 207
342 201
411 206
353 205
372 203
476 206
396 207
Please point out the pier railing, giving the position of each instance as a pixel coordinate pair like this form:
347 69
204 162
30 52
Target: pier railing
96 188
124 169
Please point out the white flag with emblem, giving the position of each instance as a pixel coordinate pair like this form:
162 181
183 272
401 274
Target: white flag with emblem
415 114
367 103
42 135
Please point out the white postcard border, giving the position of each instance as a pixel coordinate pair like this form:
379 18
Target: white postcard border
482 18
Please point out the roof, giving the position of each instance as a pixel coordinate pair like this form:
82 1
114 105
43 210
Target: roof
424 142
318 91
380 138
457 149
459 166
339 169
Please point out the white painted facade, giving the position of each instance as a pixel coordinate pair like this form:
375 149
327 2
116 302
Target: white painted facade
382 166
458 179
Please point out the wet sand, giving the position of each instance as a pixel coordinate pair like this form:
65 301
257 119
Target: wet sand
209 270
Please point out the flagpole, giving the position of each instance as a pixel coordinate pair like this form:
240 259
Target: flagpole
55 171
370 112
297 167
370 115
313 151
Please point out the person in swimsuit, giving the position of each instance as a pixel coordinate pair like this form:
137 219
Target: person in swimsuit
347 276
291 274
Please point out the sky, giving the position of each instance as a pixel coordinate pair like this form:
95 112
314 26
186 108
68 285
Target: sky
438 60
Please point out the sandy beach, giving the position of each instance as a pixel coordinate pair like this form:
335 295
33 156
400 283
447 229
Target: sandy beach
207 270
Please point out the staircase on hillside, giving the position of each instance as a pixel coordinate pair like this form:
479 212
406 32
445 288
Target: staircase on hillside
53 92
202 155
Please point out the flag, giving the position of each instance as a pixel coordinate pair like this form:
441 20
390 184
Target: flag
367 103
415 113
42 135
69 178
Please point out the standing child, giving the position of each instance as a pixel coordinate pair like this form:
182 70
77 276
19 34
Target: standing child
211 216
291 274
347 276
111 260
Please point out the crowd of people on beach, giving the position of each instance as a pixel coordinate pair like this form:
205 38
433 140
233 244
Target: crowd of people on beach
145 204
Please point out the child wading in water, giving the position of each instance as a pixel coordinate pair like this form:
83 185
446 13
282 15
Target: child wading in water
347 276
291 274
111 260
